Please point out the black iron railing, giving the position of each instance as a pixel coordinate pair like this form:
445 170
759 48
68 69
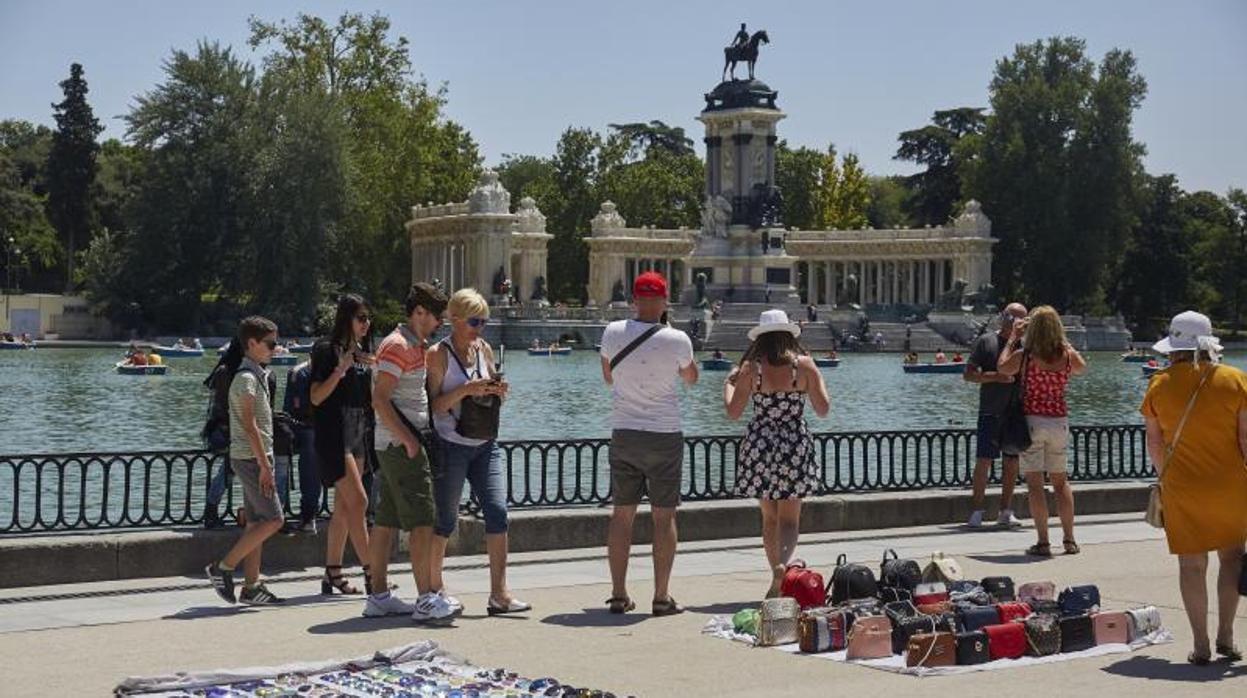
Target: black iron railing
80 491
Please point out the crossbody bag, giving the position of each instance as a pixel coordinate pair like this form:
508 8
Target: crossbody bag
632 346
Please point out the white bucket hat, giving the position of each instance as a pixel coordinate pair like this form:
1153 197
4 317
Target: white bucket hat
1189 331
774 321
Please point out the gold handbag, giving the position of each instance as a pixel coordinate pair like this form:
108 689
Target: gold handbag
1155 515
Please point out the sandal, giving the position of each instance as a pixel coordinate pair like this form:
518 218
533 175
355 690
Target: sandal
334 580
667 607
1071 548
1198 659
1040 550
1230 652
368 582
620 604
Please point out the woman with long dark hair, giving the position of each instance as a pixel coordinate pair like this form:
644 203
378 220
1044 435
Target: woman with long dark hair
342 414
776 463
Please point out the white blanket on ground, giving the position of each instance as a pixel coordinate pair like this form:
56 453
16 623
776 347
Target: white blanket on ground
721 627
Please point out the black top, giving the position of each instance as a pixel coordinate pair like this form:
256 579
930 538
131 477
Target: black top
353 391
985 354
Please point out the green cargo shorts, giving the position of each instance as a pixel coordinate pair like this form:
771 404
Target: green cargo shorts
406 500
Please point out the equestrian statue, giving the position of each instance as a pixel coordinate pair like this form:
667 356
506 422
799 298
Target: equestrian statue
743 48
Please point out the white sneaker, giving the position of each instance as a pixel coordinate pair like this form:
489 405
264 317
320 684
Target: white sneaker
976 519
432 608
452 601
1007 519
389 605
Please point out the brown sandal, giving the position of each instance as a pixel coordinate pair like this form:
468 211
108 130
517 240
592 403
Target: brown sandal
667 608
1230 652
1198 659
1071 548
620 604
1040 550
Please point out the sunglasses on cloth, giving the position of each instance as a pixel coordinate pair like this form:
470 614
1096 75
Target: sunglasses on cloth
477 322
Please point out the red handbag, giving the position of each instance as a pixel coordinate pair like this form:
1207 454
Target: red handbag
1006 641
803 584
1013 611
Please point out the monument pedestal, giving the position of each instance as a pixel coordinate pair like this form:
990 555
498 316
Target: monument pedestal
740 269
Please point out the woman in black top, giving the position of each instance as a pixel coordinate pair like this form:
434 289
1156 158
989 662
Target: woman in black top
342 400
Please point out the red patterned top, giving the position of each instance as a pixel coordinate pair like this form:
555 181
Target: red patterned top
1045 390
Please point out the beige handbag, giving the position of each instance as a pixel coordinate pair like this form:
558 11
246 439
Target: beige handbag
777 621
942 568
1155 515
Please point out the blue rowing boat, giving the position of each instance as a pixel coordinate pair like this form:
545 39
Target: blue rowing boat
935 368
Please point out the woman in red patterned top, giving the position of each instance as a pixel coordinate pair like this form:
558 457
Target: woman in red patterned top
1046 364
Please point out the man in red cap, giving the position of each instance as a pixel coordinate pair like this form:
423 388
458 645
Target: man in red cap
641 360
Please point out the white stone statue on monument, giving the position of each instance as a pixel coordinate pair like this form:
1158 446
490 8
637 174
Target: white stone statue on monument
489 196
608 219
716 213
529 218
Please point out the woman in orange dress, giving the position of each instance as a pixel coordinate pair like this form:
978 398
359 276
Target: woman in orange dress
1204 483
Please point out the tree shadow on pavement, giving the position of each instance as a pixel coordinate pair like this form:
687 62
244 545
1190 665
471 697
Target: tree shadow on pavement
360 624
1010 558
597 618
1165 670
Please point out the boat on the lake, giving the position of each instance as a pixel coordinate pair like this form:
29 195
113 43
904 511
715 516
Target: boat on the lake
1150 369
1136 357
826 362
300 348
284 360
549 351
125 368
713 364
16 345
950 367
179 351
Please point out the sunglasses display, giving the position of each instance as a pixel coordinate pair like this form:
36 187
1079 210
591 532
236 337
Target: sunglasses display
410 680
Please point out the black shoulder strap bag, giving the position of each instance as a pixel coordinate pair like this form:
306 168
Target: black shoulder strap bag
478 416
1013 435
632 346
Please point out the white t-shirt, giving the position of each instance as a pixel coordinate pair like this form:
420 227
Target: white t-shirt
644 383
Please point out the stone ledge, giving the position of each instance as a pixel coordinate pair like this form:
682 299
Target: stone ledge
87 557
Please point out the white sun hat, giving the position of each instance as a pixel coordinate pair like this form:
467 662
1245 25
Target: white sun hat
1189 331
774 321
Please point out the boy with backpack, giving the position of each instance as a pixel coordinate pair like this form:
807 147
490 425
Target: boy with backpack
251 459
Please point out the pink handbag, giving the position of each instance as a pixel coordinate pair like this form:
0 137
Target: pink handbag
1111 628
870 638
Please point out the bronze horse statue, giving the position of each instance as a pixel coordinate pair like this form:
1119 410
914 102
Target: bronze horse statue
747 52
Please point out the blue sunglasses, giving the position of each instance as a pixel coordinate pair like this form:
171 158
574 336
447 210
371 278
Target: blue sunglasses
477 322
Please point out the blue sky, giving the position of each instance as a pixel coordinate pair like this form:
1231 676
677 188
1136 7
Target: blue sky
855 74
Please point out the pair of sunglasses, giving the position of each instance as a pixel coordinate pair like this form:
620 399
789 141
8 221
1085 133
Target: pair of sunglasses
477 322
364 317
271 344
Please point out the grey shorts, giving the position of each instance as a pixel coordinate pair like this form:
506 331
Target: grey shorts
255 504
646 460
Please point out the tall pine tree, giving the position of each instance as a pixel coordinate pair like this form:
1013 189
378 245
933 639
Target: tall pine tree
71 167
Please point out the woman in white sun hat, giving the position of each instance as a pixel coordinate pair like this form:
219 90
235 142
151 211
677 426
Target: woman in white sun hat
1201 460
776 462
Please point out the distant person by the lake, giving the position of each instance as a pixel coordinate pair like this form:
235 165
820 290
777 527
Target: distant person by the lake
1044 368
718 353
777 465
910 358
1196 417
341 395
466 400
251 458
641 361
958 358
940 357
995 391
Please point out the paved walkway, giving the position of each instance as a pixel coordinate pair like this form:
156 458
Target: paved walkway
80 640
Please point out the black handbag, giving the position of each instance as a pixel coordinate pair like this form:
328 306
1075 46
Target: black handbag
478 416
1075 601
1013 435
906 628
1077 633
979 617
899 574
1045 607
973 648
850 581
999 588
894 594
1043 635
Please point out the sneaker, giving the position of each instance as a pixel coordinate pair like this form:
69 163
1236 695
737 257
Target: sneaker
432 608
1008 520
308 526
451 601
222 582
259 595
976 519
387 605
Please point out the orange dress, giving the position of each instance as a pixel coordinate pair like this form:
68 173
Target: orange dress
1204 494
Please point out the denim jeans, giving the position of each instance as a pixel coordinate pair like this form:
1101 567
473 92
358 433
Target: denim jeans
309 477
481 467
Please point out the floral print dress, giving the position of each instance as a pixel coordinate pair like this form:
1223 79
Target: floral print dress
777 456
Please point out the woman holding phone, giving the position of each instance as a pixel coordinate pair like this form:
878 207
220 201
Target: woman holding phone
341 393
466 391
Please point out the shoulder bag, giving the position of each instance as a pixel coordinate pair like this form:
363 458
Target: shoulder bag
1013 435
478 416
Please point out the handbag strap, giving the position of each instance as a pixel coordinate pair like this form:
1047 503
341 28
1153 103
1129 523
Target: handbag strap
1177 434
623 353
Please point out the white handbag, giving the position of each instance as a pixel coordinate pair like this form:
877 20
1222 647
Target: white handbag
778 621
1143 621
942 568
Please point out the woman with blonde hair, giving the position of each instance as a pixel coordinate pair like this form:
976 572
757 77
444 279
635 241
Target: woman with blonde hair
466 393
1196 416
1039 351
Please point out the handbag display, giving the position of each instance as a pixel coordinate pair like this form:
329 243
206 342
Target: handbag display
803 584
906 628
972 648
931 650
999 588
823 630
979 617
1155 514
1043 591
1013 435
850 581
1078 600
899 610
942 568
938 608
870 638
1077 633
931 592
777 621
1111 628
1143 621
1043 635
1006 640
891 594
970 594
1012 611
1046 607
897 573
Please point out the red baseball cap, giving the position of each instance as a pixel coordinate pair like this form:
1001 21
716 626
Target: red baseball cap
651 284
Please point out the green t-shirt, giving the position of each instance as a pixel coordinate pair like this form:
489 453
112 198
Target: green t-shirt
250 380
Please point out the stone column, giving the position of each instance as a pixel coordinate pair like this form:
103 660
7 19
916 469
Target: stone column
829 284
742 147
939 277
896 282
714 161
770 159
811 283
861 282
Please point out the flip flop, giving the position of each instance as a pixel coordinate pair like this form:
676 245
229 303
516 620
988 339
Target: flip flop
620 604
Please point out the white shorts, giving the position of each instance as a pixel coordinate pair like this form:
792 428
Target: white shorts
1049 438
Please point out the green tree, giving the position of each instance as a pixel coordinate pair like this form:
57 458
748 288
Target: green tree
72 167
655 137
1219 226
523 175
937 189
798 173
851 198
889 199
1154 282
1057 170
576 170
